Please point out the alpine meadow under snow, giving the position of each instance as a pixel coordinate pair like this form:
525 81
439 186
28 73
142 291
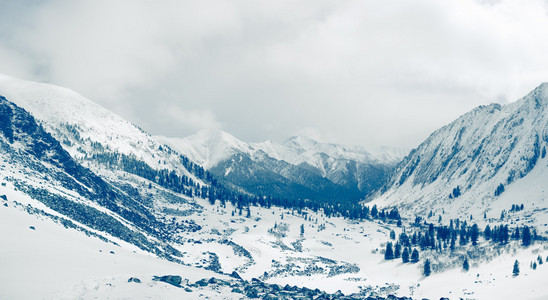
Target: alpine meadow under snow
94 207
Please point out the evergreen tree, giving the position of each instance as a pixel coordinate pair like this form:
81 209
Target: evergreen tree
515 235
415 256
405 255
427 270
474 234
302 230
515 271
397 250
211 199
462 239
526 236
487 232
503 234
539 258
499 190
404 239
374 211
392 235
465 264
389 253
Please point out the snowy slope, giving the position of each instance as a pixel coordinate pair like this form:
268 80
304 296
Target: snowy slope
84 127
49 261
84 268
488 147
34 163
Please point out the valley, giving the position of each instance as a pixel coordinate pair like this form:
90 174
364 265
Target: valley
345 256
114 212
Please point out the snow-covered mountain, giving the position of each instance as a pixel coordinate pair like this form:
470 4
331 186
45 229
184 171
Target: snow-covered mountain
84 127
93 168
34 163
483 162
300 167
208 147
92 207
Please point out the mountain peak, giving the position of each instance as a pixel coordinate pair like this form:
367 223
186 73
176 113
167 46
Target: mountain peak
300 140
537 99
215 134
541 90
208 146
218 136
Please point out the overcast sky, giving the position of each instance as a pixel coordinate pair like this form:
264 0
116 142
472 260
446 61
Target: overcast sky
362 72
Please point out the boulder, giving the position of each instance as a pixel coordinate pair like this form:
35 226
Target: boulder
171 279
235 274
134 279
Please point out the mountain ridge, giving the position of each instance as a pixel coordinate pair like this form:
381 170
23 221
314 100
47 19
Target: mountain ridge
299 166
486 149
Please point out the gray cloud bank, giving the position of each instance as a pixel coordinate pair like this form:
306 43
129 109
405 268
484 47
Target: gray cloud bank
357 72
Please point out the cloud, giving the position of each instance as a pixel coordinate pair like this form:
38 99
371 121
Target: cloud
104 48
193 120
358 72
13 63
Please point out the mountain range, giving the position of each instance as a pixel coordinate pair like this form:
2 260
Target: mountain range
470 166
300 167
318 213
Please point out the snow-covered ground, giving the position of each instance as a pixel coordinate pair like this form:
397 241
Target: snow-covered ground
53 262
355 243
